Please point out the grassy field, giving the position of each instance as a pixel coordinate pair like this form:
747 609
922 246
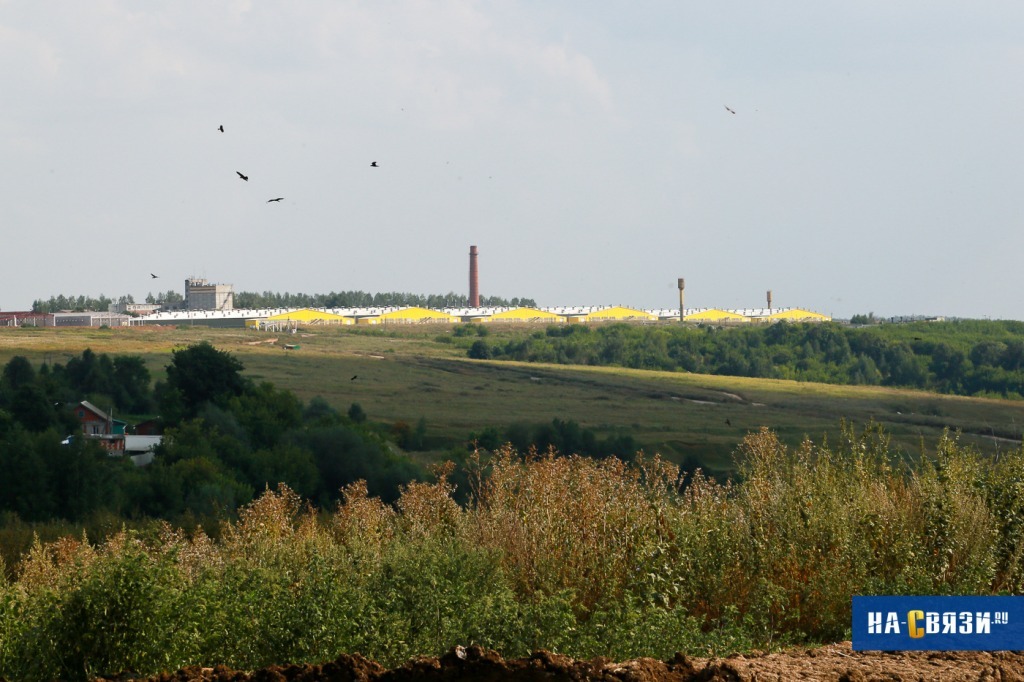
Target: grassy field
423 372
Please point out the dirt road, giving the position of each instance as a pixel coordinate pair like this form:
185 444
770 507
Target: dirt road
832 662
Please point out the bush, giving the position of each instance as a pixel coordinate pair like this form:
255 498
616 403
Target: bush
586 557
480 350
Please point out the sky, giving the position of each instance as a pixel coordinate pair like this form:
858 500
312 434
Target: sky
874 162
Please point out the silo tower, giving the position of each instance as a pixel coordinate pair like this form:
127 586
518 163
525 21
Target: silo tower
682 285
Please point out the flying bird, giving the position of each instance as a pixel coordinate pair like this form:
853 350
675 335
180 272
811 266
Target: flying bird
729 110
244 177
374 164
153 276
220 128
728 423
277 199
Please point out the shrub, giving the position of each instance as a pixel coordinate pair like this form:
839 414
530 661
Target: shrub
569 554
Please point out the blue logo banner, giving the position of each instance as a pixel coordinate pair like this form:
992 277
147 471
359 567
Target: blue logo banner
938 623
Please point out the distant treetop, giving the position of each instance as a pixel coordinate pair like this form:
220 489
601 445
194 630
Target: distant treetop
362 299
270 299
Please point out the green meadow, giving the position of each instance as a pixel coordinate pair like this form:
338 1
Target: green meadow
583 556
405 374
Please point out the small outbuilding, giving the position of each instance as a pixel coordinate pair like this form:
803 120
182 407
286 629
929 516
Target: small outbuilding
96 422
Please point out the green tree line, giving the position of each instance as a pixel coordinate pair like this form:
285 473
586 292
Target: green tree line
363 299
561 435
965 358
226 438
77 304
270 299
168 298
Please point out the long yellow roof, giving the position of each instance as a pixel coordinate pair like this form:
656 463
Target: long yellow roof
307 315
526 314
619 312
714 314
418 315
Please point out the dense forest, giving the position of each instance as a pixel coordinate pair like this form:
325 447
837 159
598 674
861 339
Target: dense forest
270 299
970 358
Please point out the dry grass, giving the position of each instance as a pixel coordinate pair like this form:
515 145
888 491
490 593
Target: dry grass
585 557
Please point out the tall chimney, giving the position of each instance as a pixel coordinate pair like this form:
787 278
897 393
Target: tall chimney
682 285
474 279
769 300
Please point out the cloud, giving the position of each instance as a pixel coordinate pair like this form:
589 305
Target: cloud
572 67
27 56
463 64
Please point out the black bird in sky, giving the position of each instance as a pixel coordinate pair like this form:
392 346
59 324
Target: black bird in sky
152 275
244 177
374 164
354 377
277 199
220 128
729 110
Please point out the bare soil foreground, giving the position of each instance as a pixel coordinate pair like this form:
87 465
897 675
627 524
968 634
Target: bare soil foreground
832 662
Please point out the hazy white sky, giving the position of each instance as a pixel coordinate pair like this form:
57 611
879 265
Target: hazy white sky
875 162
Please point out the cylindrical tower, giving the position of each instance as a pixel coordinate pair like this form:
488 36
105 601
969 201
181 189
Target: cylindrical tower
769 300
682 285
474 279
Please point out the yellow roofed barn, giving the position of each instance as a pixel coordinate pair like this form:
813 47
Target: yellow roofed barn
798 315
714 315
620 314
304 317
526 315
415 315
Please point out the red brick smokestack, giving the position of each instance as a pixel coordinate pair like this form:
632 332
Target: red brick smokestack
474 279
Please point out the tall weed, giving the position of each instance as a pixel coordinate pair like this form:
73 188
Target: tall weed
565 553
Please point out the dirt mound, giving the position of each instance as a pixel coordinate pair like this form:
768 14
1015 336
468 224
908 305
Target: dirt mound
833 662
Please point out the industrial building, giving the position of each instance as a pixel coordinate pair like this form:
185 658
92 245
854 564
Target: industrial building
135 308
291 318
619 313
414 315
526 315
305 317
88 319
715 315
280 319
23 318
201 295
213 305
